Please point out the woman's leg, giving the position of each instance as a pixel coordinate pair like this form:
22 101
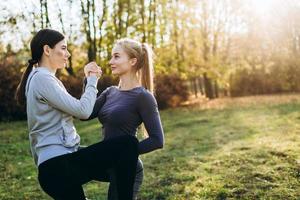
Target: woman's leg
139 176
92 162
112 190
55 182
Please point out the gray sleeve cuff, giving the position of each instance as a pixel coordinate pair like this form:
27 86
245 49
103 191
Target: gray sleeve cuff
92 81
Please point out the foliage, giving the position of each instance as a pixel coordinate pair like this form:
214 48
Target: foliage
278 78
242 46
170 90
9 80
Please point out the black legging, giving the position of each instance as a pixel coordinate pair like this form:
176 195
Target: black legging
112 190
62 177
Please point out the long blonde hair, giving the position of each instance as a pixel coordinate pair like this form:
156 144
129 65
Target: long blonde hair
144 65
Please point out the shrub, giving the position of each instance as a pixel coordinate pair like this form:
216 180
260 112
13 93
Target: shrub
170 90
9 80
280 78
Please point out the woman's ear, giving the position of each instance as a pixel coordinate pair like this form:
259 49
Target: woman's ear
133 61
46 49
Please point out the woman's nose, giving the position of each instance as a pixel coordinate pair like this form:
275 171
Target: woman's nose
68 54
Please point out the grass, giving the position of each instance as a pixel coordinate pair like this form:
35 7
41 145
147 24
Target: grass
241 148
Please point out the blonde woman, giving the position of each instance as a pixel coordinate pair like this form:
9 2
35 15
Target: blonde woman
122 109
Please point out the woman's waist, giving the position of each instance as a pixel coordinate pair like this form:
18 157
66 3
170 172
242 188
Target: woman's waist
50 151
109 133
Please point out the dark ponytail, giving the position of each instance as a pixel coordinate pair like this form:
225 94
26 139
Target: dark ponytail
20 94
43 37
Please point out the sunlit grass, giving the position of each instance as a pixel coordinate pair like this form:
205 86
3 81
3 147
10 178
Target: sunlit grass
241 148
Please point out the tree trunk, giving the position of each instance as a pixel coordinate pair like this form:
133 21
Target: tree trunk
200 85
195 87
45 22
143 20
208 87
154 24
216 89
101 22
87 29
94 41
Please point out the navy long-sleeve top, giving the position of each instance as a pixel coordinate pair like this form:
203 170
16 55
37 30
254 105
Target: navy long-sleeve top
122 112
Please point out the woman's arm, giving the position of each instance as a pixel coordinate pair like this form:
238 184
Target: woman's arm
98 105
51 92
149 113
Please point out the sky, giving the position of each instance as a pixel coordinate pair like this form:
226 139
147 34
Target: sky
71 14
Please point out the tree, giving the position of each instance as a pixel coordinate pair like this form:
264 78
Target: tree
45 22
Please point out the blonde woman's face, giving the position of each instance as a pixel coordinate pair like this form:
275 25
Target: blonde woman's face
120 62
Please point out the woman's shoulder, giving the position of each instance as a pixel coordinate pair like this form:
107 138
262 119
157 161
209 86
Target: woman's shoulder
145 92
109 89
37 76
41 79
40 73
112 87
146 96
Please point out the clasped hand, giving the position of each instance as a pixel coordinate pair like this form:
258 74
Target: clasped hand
92 69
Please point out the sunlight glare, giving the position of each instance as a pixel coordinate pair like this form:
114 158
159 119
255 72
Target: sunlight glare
261 6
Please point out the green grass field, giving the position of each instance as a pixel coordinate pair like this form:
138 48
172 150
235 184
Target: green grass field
243 148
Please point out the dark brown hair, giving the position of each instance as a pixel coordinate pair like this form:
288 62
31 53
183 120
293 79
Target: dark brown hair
43 37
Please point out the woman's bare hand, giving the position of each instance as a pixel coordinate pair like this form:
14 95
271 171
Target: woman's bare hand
92 69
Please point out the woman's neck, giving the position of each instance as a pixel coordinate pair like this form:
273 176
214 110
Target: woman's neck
48 66
128 81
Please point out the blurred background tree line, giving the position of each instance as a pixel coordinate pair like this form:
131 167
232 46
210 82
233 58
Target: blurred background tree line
208 48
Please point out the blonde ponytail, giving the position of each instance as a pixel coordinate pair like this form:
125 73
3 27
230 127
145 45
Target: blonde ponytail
146 75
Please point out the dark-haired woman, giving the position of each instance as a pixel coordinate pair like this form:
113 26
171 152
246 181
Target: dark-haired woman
62 168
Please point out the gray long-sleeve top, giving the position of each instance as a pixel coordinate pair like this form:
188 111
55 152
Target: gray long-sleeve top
49 114
121 112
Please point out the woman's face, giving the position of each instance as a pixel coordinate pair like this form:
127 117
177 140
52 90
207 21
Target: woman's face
59 55
120 62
